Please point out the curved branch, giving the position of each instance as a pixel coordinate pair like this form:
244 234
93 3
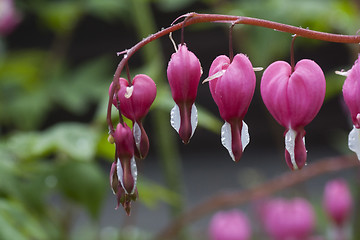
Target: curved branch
192 18
231 199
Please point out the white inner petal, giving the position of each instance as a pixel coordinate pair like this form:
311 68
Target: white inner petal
216 75
354 141
129 91
133 173
343 73
194 119
245 137
175 118
290 146
226 138
120 173
137 134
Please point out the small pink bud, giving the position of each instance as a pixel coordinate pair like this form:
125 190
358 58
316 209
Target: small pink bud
183 72
232 86
123 173
351 93
293 99
337 201
230 225
288 219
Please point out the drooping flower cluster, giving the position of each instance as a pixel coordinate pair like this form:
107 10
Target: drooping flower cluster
292 94
133 99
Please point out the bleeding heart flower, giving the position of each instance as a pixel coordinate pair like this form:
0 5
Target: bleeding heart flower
351 93
123 174
293 99
135 102
232 86
183 72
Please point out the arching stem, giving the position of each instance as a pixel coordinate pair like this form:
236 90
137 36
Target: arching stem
193 18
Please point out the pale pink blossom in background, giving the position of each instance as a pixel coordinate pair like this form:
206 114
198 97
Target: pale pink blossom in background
9 17
230 225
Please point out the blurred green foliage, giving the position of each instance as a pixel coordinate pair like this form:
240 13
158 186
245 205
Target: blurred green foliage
40 164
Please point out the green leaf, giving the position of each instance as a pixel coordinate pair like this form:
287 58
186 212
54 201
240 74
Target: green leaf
77 90
108 9
22 96
75 140
61 16
173 5
17 223
152 193
84 183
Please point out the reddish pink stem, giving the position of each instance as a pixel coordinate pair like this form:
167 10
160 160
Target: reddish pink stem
192 18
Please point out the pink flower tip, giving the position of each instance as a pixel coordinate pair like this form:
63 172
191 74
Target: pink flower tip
230 225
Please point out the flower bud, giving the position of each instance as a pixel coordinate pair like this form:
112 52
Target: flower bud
293 99
230 225
288 219
232 86
183 72
351 93
337 201
123 173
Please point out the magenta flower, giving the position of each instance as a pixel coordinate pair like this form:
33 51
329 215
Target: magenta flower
123 174
337 201
9 17
230 225
351 93
293 99
232 86
135 102
288 219
183 72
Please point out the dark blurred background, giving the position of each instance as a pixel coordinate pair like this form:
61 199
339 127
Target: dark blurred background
57 59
